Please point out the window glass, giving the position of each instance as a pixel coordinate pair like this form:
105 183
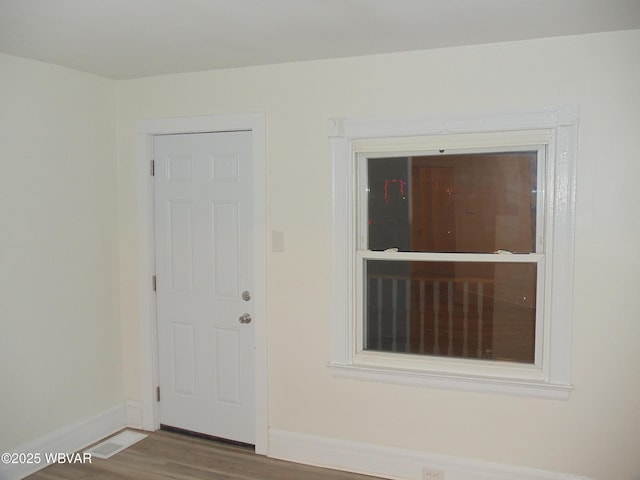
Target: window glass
476 310
464 203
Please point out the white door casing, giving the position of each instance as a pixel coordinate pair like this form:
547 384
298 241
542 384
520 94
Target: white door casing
204 282
148 407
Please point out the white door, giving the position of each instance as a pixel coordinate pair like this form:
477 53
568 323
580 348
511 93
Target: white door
204 266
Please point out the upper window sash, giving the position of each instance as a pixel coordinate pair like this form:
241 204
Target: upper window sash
362 180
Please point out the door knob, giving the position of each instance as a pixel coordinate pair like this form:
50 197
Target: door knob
245 318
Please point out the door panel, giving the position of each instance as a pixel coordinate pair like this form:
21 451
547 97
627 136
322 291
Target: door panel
225 249
180 245
203 263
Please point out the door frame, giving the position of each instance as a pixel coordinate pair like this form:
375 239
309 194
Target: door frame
145 252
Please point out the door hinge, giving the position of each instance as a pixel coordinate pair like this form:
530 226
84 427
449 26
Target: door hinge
153 167
157 393
153 282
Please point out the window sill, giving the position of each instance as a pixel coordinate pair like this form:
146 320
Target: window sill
468 383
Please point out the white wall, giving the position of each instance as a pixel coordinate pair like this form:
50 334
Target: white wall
60 346
595 433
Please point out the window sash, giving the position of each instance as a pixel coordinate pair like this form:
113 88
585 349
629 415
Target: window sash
399 149
362 183
434 363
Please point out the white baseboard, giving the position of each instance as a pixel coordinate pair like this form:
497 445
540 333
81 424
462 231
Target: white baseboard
393 463
67 439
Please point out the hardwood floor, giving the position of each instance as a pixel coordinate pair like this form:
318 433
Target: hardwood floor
173 456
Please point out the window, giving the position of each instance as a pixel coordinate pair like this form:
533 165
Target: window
467 289
453 251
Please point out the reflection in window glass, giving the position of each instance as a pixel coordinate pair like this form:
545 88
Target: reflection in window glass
467 203
466 310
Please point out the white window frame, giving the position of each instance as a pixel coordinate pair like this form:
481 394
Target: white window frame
555 130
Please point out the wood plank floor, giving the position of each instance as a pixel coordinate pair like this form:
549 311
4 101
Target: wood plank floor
173 456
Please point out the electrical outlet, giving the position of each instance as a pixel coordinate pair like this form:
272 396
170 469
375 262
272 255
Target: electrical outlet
432 474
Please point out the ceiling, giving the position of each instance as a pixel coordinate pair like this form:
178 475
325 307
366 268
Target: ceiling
134 38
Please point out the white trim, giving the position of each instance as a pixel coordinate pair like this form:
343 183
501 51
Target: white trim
68 439
134 414
555 128
394 463
145 129
565 115
451 257
458 381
